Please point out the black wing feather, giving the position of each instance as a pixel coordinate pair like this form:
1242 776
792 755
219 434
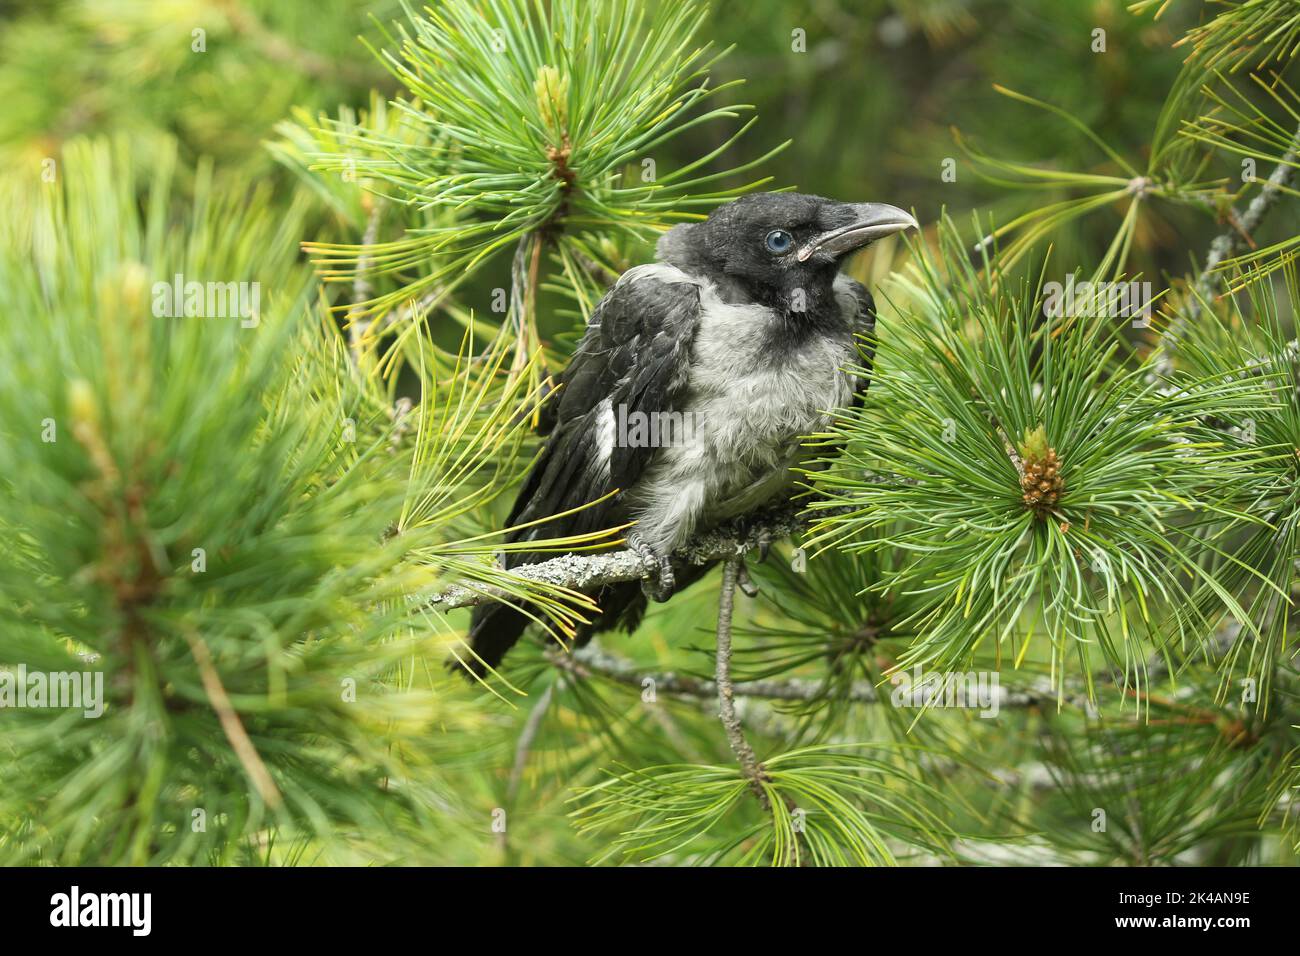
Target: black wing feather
636 353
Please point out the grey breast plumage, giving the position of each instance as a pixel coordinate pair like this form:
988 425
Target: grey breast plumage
746 406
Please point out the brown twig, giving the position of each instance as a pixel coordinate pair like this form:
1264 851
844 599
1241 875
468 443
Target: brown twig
749 764
230 723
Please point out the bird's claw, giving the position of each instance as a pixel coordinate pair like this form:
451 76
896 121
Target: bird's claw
759 526
744 581
663 585
660 583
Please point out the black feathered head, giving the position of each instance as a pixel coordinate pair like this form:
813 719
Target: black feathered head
772 244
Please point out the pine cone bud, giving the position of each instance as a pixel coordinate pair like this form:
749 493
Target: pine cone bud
1041 482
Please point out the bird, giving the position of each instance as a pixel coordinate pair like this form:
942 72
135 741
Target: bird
741 338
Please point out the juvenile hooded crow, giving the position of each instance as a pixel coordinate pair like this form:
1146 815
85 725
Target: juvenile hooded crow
735 342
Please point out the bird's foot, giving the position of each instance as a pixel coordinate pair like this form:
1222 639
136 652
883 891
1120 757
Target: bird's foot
743 580
756 527
659 583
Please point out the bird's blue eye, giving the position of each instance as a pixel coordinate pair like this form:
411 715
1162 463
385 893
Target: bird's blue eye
779 241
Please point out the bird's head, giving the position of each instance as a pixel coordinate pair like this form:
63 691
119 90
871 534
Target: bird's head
774 245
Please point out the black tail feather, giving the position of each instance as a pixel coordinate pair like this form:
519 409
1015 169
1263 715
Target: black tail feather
493 630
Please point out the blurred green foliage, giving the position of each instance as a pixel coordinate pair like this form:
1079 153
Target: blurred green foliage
224 98
868 91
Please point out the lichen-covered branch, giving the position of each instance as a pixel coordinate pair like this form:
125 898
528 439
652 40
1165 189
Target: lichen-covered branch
1226 245
592 661
726 692
588 572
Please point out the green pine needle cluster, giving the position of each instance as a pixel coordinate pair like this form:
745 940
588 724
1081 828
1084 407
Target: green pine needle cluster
534 120
943 484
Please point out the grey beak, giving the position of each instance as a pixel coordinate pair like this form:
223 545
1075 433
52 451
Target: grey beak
871 220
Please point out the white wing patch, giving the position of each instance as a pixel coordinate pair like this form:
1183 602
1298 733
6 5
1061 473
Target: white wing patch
605 437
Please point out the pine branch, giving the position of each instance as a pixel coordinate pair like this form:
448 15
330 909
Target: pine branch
1226 245
587 572
524 747
732 572
726 691
526 739
415 309
590 661
358 322
231 724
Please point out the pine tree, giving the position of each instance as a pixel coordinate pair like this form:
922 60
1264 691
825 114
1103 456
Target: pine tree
1032 601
